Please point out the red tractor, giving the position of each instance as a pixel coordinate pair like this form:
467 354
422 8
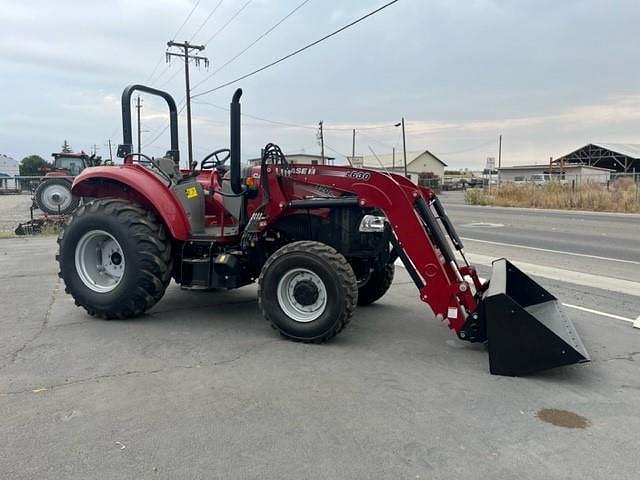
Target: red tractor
319 240
53 194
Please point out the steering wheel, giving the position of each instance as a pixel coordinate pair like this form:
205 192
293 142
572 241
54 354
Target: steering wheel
215 159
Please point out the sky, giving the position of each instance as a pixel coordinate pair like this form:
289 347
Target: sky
547 75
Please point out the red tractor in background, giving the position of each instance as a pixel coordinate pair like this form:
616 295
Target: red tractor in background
319 240
53 194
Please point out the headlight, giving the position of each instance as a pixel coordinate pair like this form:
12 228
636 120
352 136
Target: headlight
372 223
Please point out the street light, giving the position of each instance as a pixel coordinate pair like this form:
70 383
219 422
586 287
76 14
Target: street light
404 146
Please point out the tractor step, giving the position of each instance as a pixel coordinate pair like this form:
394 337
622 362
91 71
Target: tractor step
204 267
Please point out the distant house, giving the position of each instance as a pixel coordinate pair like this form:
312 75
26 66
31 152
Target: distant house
620 157
419 163
296 158
9 168
540 173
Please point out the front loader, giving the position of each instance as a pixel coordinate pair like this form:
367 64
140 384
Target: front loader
318 239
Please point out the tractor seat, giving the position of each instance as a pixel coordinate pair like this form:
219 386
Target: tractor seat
170 168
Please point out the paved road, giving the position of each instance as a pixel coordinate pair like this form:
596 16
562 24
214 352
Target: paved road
202 388
593 257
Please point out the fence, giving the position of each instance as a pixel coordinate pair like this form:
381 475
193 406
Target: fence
22 183
617 192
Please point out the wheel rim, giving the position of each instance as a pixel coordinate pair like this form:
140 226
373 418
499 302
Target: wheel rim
302 295
56 196
100 262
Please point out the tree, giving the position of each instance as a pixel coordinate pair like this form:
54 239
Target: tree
66 148
33 165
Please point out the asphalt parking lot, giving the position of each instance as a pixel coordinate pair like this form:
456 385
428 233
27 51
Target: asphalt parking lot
202 388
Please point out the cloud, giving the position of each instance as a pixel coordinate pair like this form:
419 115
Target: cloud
460 72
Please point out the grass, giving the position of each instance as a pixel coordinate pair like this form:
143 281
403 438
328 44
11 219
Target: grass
621 196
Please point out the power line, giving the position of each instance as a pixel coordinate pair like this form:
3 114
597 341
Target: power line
300 50
187 48
267 32
228 21
334 150
162 57
164 129
168 80
470 149
290 124
383 144
154 69
195 5
206 19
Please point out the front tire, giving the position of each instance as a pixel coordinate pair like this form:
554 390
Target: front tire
115 258
307 291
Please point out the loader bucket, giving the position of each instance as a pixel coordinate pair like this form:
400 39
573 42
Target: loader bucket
526 327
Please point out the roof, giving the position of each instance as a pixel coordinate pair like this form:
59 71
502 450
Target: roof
567 166
387 159
631 150
70 155
628 149
6 161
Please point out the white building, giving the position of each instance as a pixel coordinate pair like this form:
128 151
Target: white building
418 163
9 168
529 173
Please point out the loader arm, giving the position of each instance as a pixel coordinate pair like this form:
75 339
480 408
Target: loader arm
417 236
524 325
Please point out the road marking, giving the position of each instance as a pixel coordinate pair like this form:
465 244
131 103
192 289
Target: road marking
636 322
597 312
577 278
543 211
483 224
584 255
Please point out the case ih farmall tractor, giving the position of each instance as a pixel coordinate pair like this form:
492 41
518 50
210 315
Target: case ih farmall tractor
319 240
53 194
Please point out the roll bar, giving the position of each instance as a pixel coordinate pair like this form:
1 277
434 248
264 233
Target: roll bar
126 148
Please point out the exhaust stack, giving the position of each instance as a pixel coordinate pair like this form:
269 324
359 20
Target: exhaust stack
236 183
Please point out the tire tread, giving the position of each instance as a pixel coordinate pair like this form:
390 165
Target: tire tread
342 268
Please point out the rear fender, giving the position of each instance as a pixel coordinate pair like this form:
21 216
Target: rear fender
137 184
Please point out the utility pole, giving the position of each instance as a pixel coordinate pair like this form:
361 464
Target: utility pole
95 149
321 138
404 148
110 151
393 159
186 55
138 107
353 144
500 151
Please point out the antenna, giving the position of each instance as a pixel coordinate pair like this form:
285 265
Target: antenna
381 164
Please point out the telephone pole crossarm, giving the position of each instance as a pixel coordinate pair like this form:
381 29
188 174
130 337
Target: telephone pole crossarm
186 55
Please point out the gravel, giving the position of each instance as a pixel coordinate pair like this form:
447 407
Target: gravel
14 209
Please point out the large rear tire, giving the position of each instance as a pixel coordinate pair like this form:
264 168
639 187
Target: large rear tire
307 291
53 196
377 285
115 258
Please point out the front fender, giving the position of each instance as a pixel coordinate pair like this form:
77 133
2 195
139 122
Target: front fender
139 185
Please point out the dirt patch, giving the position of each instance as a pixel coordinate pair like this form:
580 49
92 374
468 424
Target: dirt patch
563 418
